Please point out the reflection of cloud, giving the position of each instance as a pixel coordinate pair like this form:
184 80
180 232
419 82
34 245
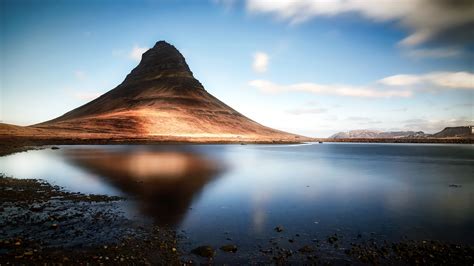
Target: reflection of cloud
259 202
428 20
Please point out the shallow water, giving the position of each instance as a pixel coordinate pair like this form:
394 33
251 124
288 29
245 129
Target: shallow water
241 192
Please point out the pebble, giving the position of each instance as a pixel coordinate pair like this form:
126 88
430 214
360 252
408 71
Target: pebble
229 248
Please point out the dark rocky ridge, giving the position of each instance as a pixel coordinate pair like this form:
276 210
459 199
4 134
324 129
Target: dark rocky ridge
447 132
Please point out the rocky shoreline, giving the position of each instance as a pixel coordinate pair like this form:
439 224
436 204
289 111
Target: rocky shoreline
41 223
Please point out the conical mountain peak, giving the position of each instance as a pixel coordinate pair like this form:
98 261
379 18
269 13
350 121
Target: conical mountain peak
161 61
162 43
160 99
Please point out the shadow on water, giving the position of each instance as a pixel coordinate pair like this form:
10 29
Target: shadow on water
163 183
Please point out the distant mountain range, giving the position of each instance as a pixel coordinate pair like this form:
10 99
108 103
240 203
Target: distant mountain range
448 132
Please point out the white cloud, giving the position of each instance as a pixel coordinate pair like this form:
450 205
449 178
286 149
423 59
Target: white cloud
136 53
427 19
260 62
392 86
400 80
340 90
449 80
80 75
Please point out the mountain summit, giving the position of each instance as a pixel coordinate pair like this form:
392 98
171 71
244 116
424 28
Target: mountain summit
163 60
161 98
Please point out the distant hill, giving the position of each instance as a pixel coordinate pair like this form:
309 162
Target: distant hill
374 134
453 132
448 132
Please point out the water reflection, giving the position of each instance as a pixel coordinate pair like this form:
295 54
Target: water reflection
163 183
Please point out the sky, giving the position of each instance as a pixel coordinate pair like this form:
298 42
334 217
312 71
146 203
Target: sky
312 67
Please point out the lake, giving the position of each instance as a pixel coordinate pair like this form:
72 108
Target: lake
215 194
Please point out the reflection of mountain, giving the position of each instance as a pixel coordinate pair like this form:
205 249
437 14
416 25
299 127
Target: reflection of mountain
163 183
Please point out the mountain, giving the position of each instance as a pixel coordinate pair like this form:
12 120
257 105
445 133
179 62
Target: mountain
160 99
373 134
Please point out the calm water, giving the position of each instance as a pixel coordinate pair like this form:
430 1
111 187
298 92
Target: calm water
215 192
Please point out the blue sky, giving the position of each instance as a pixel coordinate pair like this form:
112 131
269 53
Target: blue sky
300 66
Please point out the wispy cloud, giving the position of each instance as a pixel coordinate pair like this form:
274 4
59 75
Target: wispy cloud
427 20
460 106
340 90
227 4
434 52
302 111
358 118
260 62
393 86
136 53
448 80
435 125
80 75
361 120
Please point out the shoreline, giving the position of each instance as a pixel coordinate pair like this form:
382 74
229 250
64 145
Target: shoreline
403 140
10 145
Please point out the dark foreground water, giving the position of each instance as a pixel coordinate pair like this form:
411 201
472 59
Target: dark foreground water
218 194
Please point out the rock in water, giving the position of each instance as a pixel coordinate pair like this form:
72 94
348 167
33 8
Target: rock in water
204 251
279 228
229 248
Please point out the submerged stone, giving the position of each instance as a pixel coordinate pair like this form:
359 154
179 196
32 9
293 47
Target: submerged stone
279 229
229 248
204 251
